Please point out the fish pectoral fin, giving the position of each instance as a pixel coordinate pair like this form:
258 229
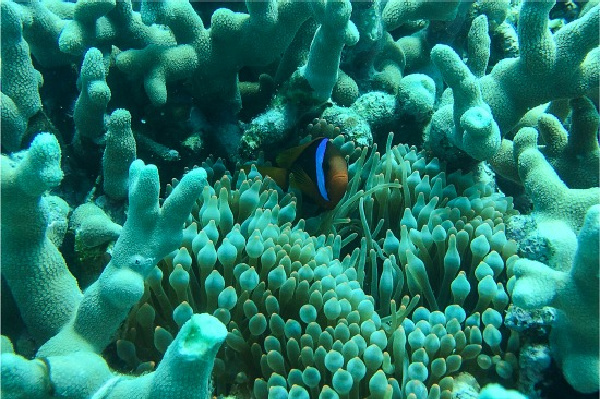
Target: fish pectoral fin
300 177
301 180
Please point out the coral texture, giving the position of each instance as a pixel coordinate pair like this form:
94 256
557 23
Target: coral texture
461 260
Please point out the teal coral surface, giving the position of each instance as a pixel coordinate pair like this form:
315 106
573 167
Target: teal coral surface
462 260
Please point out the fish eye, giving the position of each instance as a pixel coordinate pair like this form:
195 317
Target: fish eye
138 260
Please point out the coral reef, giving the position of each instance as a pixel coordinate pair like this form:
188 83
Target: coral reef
486 107
20 96
38 277
461 261
573 155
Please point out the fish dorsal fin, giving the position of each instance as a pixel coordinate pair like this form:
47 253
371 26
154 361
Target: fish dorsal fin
286 158
279 175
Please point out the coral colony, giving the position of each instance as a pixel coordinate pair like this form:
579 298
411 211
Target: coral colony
300 199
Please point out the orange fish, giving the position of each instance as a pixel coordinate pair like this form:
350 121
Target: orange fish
316 168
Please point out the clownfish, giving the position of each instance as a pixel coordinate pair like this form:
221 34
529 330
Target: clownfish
317 169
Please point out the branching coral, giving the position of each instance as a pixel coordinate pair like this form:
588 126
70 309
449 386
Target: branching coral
148 235
213 67
573 155
183 373
552 199
563 65
20 80
68 364
336 30
560 213
38 277
90 107
397 12
574 336
119 153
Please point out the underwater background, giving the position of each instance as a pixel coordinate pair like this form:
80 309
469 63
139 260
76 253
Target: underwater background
300 199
